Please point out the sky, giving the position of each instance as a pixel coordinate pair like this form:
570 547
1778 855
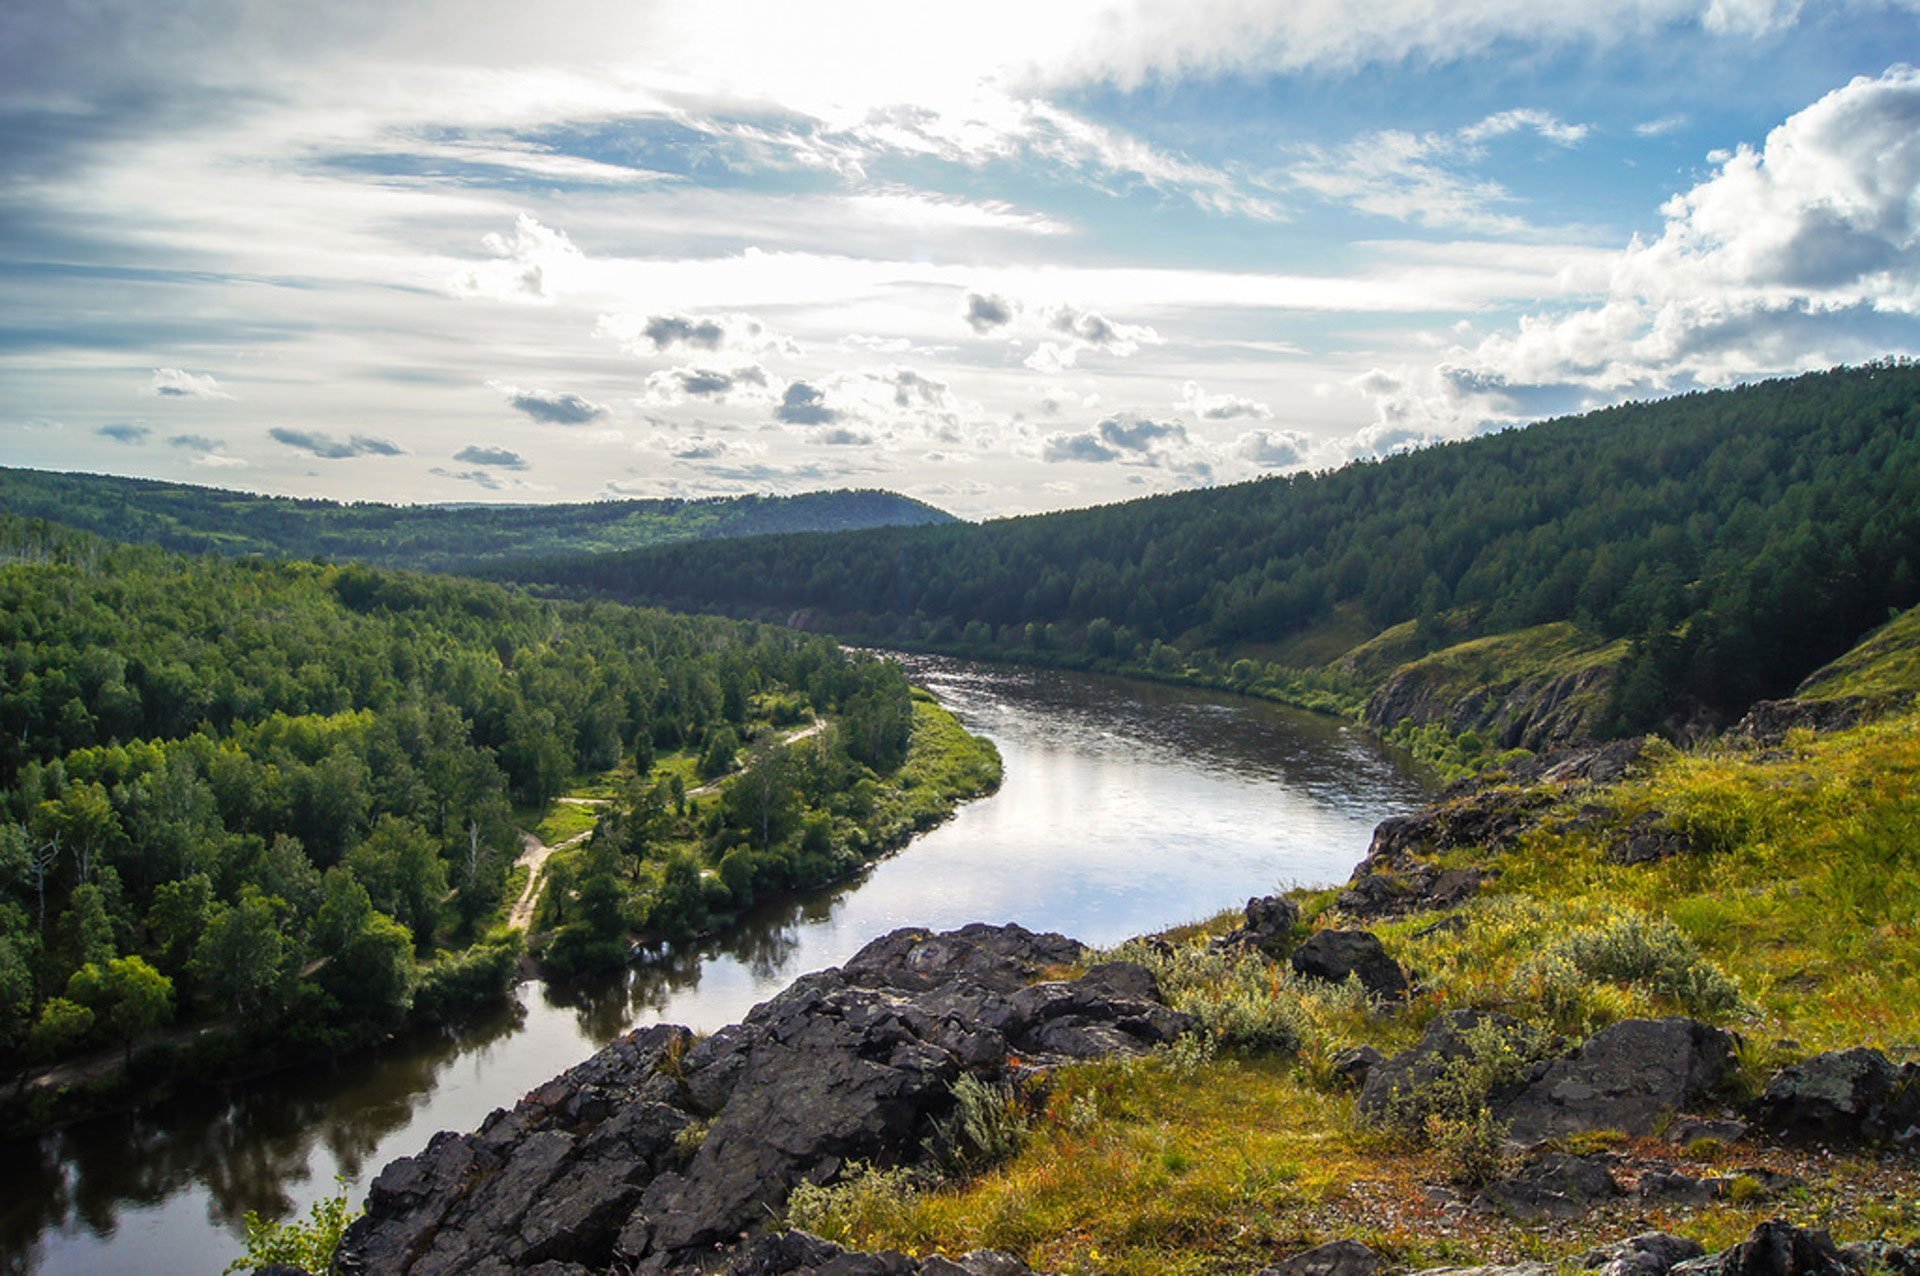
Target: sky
1000 257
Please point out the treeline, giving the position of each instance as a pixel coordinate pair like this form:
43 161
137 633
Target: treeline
1740 538
192 519
279 795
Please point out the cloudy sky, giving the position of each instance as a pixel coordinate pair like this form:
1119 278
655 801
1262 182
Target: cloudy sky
1000 256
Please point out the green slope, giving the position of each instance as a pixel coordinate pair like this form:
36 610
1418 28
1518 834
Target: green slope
182 517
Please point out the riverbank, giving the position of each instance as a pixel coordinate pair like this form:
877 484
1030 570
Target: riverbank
1619 1015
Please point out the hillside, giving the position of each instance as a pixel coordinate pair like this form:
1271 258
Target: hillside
192 519
1716 547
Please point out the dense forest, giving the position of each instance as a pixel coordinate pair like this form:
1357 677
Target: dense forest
282 796
191 519
1738 538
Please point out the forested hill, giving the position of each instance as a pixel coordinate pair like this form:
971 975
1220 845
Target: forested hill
1739 538
193 519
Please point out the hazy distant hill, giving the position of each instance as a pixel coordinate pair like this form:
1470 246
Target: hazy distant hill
183 517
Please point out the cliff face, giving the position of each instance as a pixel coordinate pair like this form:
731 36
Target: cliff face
1539 713
662 1152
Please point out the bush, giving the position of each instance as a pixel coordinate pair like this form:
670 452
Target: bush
1493 1057
864 1199
306 1243
461 983
1652 955
1243 1002
987 1126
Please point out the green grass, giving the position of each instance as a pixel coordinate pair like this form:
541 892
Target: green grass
564 820
1885 667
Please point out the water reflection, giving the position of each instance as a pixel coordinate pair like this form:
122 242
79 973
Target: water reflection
1126 807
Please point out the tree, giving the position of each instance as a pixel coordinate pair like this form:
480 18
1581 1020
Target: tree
404 875
368 964
62 1026
86 932
16 997
765 799
127 996
244 963
179 916
718 757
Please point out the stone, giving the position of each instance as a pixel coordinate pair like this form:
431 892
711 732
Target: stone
1854 1097
1649 1254
1687 1130
1648 837
1336 1258
1767 723
1353 1065
1629 1076
1669 1186
1271 920
1773 1248
1554 1186
1336 955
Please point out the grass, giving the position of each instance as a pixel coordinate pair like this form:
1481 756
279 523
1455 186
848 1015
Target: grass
564 820
1884 668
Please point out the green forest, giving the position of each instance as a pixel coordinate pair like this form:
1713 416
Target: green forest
282 800
191 519
1736 539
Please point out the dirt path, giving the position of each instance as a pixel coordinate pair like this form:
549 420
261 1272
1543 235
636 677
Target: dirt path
792 738
534 853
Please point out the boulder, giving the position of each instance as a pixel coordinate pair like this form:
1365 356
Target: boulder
1554 1186
1629 1076
1845 1097
1270 923
1774 1248
1649 1254
1667 1186
1336 955
1352 1066
1768 722
1336 1258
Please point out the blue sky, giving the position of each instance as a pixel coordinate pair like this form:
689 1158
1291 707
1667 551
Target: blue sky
1004 257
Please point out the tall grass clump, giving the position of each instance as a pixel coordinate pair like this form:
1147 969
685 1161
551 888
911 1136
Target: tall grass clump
1242 1001
987 1125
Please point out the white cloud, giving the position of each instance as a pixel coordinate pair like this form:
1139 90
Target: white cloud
535 264
1220 407
1273 449
550 407
677 385
651 334
176 383
1803 252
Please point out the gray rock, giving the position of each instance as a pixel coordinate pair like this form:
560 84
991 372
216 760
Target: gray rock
1336 1258
1649 1254
1629 1077
1768 722
1353 1066
1515 1269
1671 1187
1847 1097
1685 1130
1774 1248
1335 955
1269 929
1555 1186
1650 836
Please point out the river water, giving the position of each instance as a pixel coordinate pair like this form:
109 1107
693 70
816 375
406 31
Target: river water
1126 808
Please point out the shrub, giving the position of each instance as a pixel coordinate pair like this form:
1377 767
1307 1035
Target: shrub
1241 1000
306 1243
1652 955
863 1200
987 1126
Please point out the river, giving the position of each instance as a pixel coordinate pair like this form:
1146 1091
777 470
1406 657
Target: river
1126 808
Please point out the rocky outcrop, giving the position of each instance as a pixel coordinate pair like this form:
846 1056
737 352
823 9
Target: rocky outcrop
1339 955
1396 877
1648 837
1449 1038
1843 1098
1767 722
1538 713
1630 1077
660 1149
1648 1254
1774 1248
1337 1258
